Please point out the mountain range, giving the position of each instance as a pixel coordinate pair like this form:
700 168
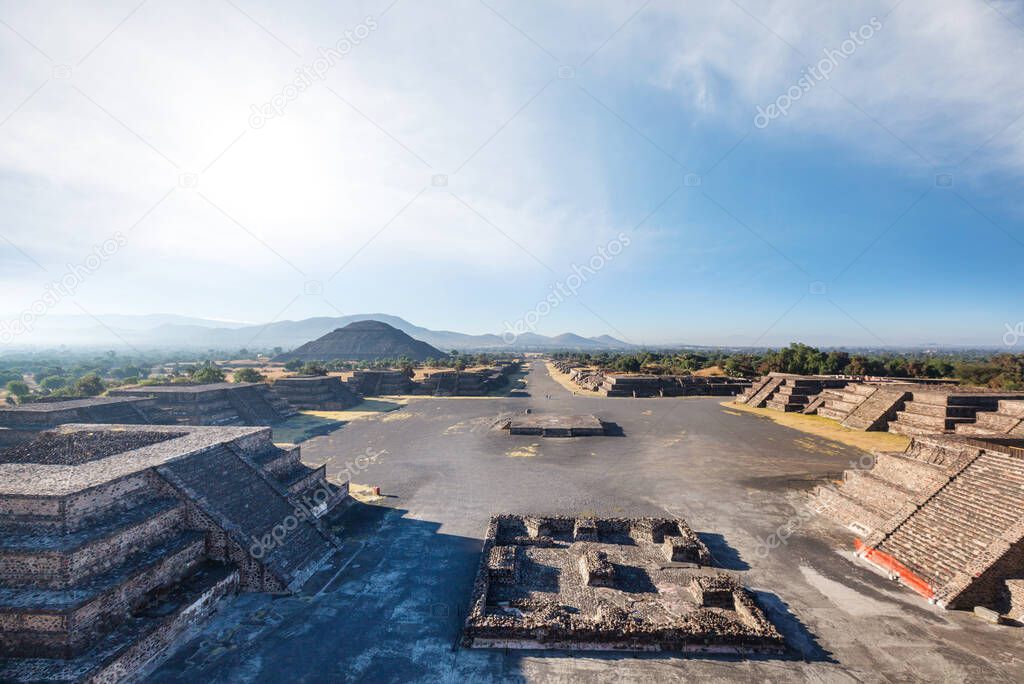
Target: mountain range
183 332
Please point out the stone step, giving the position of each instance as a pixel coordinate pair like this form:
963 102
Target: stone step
42 558
45 621
831 413
938 411
151 629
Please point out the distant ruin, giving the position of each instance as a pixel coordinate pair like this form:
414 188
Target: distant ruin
222 403
316 393
21 423
117 538
641 386
644 584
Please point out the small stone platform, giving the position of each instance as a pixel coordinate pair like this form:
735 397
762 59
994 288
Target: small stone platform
550 425
643 584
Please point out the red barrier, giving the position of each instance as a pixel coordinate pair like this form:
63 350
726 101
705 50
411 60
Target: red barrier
887 562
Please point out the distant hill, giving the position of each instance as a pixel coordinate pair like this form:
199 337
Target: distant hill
179 332
363 341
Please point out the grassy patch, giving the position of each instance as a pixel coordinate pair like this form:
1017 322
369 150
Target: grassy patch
826 428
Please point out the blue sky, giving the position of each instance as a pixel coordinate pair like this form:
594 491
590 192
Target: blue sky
881 209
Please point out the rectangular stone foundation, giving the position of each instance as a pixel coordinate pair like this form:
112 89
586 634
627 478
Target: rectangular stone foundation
611 590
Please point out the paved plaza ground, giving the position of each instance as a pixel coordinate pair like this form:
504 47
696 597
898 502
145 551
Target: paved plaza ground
390 608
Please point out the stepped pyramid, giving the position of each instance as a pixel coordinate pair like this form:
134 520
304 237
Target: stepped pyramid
1008 419
363 341
946 517
114 539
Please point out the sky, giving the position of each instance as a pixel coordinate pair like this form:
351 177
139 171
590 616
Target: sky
736 173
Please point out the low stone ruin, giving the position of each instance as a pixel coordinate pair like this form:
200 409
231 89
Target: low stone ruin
640 386
788 392
941 409
222 403
374 383
23 422
467 383
582 583
946 517
117 538
316 393
1007 419
866 406
670 386
551 425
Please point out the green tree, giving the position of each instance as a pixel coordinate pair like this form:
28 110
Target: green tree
52 382
313 368
293 365
248 375
90 385
18 388
207 373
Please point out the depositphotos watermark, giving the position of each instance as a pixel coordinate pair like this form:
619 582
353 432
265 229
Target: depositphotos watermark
62 288
310 507
1014 334
563 289
780 537
812 75
311 73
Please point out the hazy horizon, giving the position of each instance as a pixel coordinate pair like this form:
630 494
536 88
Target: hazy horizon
598 168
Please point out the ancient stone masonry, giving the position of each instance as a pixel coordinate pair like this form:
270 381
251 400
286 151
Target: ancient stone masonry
452 383
621 385
670 386
24 421
941 409
644 584
550 425
116 538
373 383
867 406
1008 419
223 403
946 517
789 393
316 393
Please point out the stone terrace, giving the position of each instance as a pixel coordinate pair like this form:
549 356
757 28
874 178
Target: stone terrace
24 421
316 393
223 403
940 409
117 538
788 392
1007 420
372 383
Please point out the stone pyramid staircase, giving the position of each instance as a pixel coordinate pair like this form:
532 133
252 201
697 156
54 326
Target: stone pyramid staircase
1007 420
964 529
934 411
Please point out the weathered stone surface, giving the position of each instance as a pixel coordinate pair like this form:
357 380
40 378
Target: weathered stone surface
614 592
